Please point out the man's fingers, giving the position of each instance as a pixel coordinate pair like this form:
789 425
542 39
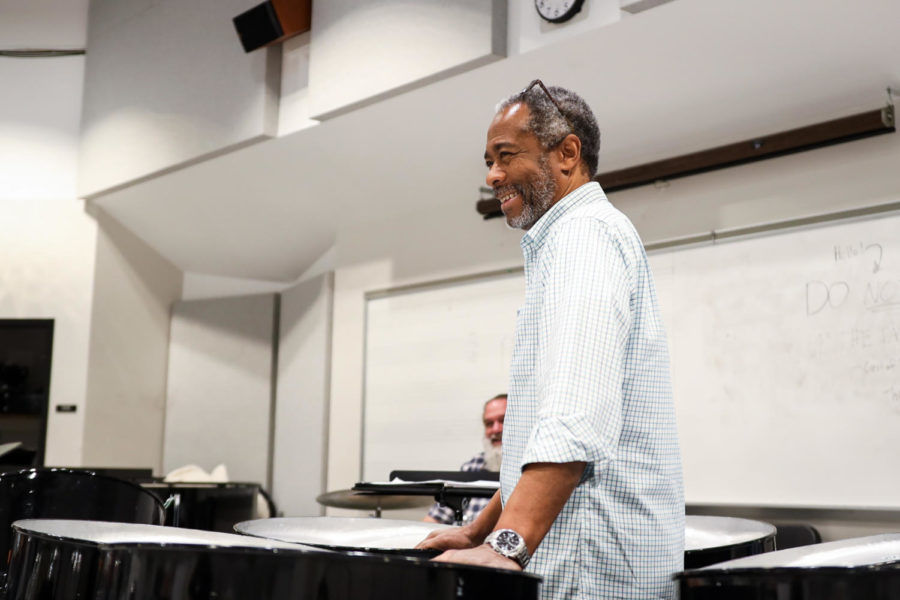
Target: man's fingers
429 541
423 545
446 556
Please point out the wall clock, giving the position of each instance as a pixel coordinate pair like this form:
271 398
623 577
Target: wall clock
558 11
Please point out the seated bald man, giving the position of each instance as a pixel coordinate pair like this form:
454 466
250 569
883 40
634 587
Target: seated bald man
488 460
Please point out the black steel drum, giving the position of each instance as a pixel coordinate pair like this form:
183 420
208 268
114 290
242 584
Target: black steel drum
710 540
62 560
866 568
208 506
70 494
347 534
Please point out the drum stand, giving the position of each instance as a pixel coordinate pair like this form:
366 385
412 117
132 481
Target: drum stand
447 493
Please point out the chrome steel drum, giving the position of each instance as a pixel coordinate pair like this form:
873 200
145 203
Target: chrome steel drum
62 560
347 534
856 569
710 540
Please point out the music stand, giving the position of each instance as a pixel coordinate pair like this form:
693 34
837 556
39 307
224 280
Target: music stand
442 485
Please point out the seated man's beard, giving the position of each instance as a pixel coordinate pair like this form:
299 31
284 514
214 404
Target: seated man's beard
492 455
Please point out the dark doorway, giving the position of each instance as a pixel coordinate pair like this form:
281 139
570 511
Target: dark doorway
26 350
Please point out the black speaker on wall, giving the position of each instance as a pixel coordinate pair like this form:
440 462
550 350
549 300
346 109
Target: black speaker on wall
272 22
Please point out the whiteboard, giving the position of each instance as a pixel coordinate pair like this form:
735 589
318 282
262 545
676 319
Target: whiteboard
786 365
434 356
785 360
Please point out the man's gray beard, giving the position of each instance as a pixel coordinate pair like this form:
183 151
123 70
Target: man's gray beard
537 197
493 455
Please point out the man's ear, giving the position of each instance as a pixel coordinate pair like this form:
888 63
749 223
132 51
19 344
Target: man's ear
569 153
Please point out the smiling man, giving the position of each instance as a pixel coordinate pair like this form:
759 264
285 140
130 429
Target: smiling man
488 459
591 487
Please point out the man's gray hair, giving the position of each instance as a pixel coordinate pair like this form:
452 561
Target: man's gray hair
550 127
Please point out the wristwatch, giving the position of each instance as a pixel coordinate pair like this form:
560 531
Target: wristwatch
510 544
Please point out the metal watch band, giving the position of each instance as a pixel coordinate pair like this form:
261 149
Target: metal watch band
516 550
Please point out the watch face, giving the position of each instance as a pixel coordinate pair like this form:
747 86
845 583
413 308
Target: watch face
557 11
509 541
510 544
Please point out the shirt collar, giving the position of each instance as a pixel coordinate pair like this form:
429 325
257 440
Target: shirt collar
535 236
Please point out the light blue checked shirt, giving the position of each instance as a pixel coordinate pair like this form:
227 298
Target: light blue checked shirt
590 382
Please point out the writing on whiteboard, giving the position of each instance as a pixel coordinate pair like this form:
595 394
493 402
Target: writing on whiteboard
882 295
821 295
873 295
873 292
873 252
893 394
853 339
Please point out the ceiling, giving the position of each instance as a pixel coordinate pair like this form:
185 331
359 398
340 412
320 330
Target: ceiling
685 76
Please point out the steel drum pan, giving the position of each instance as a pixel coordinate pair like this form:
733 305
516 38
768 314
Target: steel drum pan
347 534
56 559
866 568
710 540
62 560
70 494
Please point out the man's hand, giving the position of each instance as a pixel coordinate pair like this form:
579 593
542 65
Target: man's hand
469 536
446 539
482 555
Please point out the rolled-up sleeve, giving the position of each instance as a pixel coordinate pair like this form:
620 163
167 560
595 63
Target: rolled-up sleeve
585 320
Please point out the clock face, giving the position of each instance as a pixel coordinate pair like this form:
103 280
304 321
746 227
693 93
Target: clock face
558 11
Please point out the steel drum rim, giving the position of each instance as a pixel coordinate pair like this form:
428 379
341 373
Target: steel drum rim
394 552
400 552
712 573
280 528
760 530
38 471
852 552
200 484
21 527
35 473
726 546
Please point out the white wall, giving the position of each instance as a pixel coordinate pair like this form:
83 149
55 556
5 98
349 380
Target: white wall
47 247
220 388
294 111
301 405
134 288
167 83
362 50
199 286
